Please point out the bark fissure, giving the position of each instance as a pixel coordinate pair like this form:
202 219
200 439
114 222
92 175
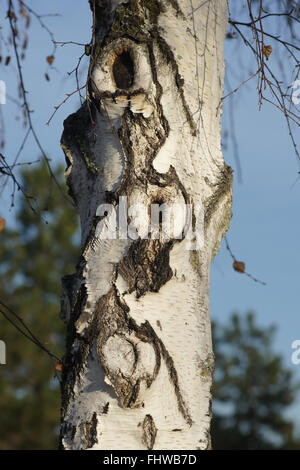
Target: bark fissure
149 432
90 431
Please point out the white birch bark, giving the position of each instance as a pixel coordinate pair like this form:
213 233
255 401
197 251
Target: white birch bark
139 363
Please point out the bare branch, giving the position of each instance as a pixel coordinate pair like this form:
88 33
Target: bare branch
8 313
11 17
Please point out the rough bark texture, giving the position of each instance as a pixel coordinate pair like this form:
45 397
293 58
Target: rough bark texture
139 363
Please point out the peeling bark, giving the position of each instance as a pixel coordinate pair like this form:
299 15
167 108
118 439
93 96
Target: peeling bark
139 362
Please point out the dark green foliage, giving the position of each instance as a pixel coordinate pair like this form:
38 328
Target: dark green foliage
252 389
34 257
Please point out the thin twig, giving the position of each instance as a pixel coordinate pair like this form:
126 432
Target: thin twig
7 171
236 89
56 108
63 43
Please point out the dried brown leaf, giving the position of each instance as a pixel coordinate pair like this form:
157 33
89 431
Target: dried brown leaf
50 59
267 51
2 224
58 366
239 266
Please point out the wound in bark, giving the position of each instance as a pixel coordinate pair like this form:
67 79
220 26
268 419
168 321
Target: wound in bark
123 70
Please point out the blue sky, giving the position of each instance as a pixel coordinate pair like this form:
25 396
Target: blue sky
265 228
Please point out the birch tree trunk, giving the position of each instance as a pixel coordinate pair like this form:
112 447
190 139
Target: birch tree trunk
139 363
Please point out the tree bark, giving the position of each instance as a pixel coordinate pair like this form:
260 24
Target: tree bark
139 363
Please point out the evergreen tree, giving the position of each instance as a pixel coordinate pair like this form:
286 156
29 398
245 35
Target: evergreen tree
34 256
252 388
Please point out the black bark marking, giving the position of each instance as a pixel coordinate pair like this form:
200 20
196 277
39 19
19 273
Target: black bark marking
146 266
149 432
105 408
90 431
